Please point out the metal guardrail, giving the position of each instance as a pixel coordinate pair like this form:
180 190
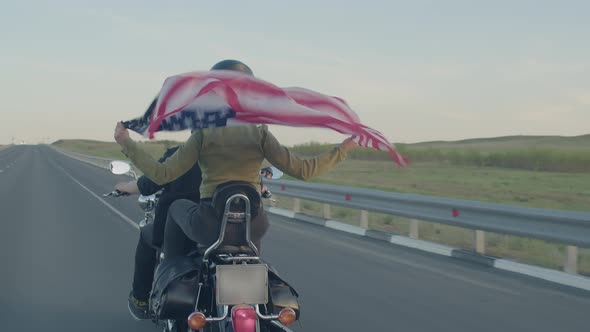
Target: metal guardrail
568 227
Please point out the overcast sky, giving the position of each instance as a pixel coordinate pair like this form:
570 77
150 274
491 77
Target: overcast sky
416 70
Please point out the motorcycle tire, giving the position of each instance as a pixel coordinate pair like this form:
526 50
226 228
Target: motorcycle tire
183 327
179 326
267 327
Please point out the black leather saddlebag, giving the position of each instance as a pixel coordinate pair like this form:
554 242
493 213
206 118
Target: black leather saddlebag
175 287
282 295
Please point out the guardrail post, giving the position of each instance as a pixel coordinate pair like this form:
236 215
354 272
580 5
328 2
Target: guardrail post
364 219
571 263
296 205
414 229
327 212
480 242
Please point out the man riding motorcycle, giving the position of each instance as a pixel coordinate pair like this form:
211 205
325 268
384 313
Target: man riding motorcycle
224 154
152 235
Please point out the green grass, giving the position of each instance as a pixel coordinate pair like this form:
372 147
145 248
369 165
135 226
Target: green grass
553 155
553 190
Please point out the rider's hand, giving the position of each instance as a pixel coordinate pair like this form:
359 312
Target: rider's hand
265 193
122 186
121 133
128 187
349 143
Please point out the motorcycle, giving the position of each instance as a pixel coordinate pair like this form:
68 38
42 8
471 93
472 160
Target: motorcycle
147 203
223 287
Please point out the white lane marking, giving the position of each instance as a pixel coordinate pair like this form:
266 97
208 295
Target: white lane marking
119 213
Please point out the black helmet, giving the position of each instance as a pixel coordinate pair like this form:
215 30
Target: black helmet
233 65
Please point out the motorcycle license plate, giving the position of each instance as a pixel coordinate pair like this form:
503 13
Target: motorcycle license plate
242 284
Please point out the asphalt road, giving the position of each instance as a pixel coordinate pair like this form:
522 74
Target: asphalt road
67 265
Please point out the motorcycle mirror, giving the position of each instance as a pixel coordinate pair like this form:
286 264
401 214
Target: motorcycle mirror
119 167
276 173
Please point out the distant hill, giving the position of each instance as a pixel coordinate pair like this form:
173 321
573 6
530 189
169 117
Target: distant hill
508 143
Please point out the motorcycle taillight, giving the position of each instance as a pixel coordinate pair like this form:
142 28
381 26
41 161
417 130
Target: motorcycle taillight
244 318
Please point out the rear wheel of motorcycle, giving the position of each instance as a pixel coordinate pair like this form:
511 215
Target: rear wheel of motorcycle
183 327
268 327
179 326
213 327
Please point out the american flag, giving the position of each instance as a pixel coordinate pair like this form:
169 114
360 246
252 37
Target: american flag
221 98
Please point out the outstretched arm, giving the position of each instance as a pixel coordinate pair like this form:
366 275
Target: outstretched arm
161 173
303 168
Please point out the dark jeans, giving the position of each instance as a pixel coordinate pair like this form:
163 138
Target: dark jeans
145 254
189 222
145 263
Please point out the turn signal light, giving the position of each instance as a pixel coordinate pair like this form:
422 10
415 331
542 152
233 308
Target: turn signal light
196 321
287 316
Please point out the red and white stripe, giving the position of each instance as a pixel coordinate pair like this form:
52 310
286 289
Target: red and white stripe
259 102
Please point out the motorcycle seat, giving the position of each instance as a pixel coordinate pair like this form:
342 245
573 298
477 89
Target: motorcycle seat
228 249
224 191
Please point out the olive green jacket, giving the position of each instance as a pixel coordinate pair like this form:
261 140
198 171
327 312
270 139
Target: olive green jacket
231 154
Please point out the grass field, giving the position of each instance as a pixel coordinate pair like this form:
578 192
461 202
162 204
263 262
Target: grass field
553 154
553 190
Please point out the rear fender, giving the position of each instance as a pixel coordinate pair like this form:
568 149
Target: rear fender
244 318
